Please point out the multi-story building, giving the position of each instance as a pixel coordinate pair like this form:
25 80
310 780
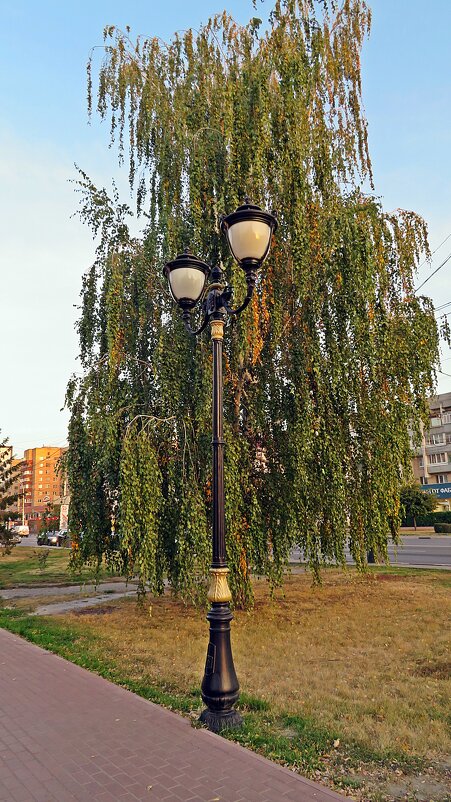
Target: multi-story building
42 484
37 484
432 460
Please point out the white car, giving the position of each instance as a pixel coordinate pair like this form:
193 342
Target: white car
21 530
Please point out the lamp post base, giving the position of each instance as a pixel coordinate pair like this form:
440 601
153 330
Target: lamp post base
218 722
220 688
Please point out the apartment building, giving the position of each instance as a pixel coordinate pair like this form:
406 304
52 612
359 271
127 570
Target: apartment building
37 483
432 460
42 484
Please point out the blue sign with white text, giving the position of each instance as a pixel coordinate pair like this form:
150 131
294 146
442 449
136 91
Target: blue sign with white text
442 491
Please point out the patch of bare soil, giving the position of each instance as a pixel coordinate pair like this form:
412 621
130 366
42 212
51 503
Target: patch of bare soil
439 669
95 611
379 783
420 789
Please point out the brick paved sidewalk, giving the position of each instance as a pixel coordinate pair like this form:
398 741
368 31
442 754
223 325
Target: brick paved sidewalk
67 734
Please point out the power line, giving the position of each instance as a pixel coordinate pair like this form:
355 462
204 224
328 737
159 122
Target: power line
437 249
443 314
435 271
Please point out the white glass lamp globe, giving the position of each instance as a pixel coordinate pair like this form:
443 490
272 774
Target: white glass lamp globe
249 230
187 276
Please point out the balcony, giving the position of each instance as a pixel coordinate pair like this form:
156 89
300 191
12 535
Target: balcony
442 467
436 448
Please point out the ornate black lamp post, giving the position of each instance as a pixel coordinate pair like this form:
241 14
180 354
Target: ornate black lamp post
248 231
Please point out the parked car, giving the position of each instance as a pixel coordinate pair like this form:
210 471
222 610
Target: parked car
53 538
20 529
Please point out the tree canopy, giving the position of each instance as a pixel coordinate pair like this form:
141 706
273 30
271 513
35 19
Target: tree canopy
325 372
415 502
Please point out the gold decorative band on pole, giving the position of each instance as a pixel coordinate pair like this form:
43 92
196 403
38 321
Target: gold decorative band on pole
217 329
219 588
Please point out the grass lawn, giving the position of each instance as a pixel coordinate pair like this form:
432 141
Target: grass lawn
348 683
22 567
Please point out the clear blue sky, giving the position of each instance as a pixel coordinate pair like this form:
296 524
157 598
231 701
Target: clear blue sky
43 130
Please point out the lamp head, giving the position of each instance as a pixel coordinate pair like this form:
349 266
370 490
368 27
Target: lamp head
249 230
187 276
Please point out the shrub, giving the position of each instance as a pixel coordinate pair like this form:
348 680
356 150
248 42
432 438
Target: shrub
430 519
442 528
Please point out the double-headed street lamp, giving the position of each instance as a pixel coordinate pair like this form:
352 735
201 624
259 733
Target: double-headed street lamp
249 232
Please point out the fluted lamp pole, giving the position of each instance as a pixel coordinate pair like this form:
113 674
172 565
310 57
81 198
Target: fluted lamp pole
248 230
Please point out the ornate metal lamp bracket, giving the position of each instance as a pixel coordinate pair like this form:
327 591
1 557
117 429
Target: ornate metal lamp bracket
218 299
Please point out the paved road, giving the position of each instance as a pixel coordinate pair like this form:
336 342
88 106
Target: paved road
424 550
30 540
432 550
70 736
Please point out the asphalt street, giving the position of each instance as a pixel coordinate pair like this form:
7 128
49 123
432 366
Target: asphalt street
423 550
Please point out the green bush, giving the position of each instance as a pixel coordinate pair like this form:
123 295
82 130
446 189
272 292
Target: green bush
442 528
430 519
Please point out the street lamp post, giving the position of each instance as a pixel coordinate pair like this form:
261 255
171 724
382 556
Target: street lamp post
248 230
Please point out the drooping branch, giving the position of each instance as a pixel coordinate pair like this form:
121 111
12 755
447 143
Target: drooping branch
328 368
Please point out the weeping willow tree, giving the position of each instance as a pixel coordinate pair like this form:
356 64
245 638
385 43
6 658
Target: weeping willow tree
325 373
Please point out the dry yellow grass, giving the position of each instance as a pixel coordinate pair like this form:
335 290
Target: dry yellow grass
365 657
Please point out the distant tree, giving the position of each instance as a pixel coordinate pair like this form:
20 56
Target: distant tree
8 474
415 502
50 518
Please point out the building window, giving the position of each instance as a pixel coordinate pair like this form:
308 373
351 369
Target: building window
435 439
446 417
423 480
442 478
437 459
436 422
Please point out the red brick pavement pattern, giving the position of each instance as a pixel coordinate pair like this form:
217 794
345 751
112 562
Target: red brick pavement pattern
68 735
